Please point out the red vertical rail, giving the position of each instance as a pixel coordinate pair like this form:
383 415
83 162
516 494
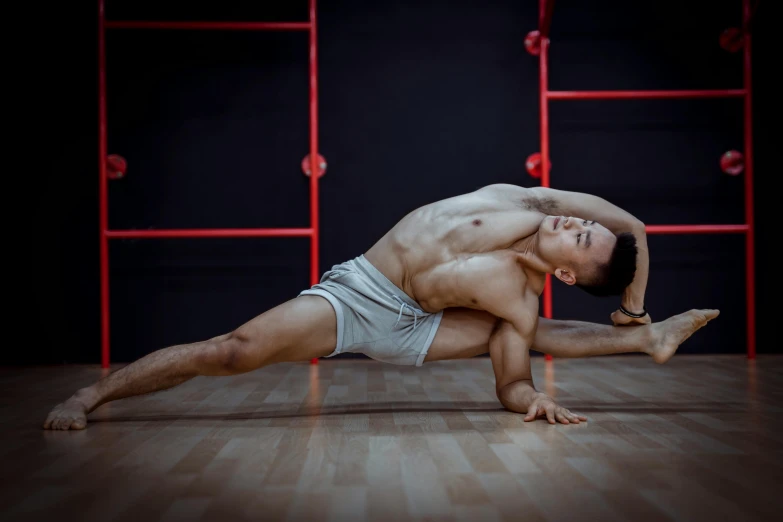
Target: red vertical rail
750 269
314 166
543 58
545 17
103 189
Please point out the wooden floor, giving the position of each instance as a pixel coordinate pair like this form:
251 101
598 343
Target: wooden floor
699 438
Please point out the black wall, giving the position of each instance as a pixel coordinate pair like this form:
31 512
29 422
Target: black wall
418 101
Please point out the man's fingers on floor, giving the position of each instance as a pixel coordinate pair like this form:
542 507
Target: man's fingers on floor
550 414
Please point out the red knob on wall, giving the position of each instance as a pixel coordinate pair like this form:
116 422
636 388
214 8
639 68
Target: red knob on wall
116 166
533 165
321 165
732 39
533 43
732 162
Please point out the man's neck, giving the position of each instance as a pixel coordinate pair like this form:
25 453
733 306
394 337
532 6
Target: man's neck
527 248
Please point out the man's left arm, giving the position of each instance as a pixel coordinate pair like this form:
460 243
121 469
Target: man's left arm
617 220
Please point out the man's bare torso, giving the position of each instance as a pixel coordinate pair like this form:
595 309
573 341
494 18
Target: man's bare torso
441 254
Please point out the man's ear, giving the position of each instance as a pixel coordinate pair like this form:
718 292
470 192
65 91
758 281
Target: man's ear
565 276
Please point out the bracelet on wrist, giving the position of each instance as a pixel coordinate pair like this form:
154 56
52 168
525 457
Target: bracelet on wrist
631 314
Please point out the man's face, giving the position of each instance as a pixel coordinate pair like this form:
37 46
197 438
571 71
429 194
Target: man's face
574 245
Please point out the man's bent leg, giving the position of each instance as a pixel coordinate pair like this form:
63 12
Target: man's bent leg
465 333
298 330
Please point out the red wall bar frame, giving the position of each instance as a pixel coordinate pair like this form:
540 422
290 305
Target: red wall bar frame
545 95
106 234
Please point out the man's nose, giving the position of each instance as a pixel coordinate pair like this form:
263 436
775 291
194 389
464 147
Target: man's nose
572 222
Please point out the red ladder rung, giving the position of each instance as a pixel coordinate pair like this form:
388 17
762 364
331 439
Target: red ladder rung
209 26
213 232
638 95
696 229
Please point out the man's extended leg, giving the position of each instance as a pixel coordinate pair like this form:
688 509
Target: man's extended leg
570 339
297 330
465 333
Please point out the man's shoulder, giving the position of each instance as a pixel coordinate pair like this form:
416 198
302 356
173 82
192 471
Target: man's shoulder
503 188
525 198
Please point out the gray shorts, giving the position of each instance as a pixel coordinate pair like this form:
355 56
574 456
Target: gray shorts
374 317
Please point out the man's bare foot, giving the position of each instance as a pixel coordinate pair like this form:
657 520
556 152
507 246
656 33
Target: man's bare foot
69 415
668 335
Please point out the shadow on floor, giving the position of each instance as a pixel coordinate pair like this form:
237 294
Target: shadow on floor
432 407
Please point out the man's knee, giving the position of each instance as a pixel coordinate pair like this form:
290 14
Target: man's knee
233 353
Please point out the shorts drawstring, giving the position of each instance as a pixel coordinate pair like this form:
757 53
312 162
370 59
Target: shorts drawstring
403 305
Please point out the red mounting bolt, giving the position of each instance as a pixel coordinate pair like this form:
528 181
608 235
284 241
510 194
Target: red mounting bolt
533 43
321 165
732 162
732 39
533 165
116 166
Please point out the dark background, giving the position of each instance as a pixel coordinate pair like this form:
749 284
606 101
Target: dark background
418 101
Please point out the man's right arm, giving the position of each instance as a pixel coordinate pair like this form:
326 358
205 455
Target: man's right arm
514 379
509 349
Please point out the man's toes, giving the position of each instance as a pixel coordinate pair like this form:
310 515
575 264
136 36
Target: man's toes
78 424
49 422
711 314
705 316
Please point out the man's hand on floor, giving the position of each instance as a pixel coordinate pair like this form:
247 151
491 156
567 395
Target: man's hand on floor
544 405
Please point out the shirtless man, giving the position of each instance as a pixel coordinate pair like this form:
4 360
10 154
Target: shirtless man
453 279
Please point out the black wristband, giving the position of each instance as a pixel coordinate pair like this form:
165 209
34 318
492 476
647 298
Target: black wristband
635 316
